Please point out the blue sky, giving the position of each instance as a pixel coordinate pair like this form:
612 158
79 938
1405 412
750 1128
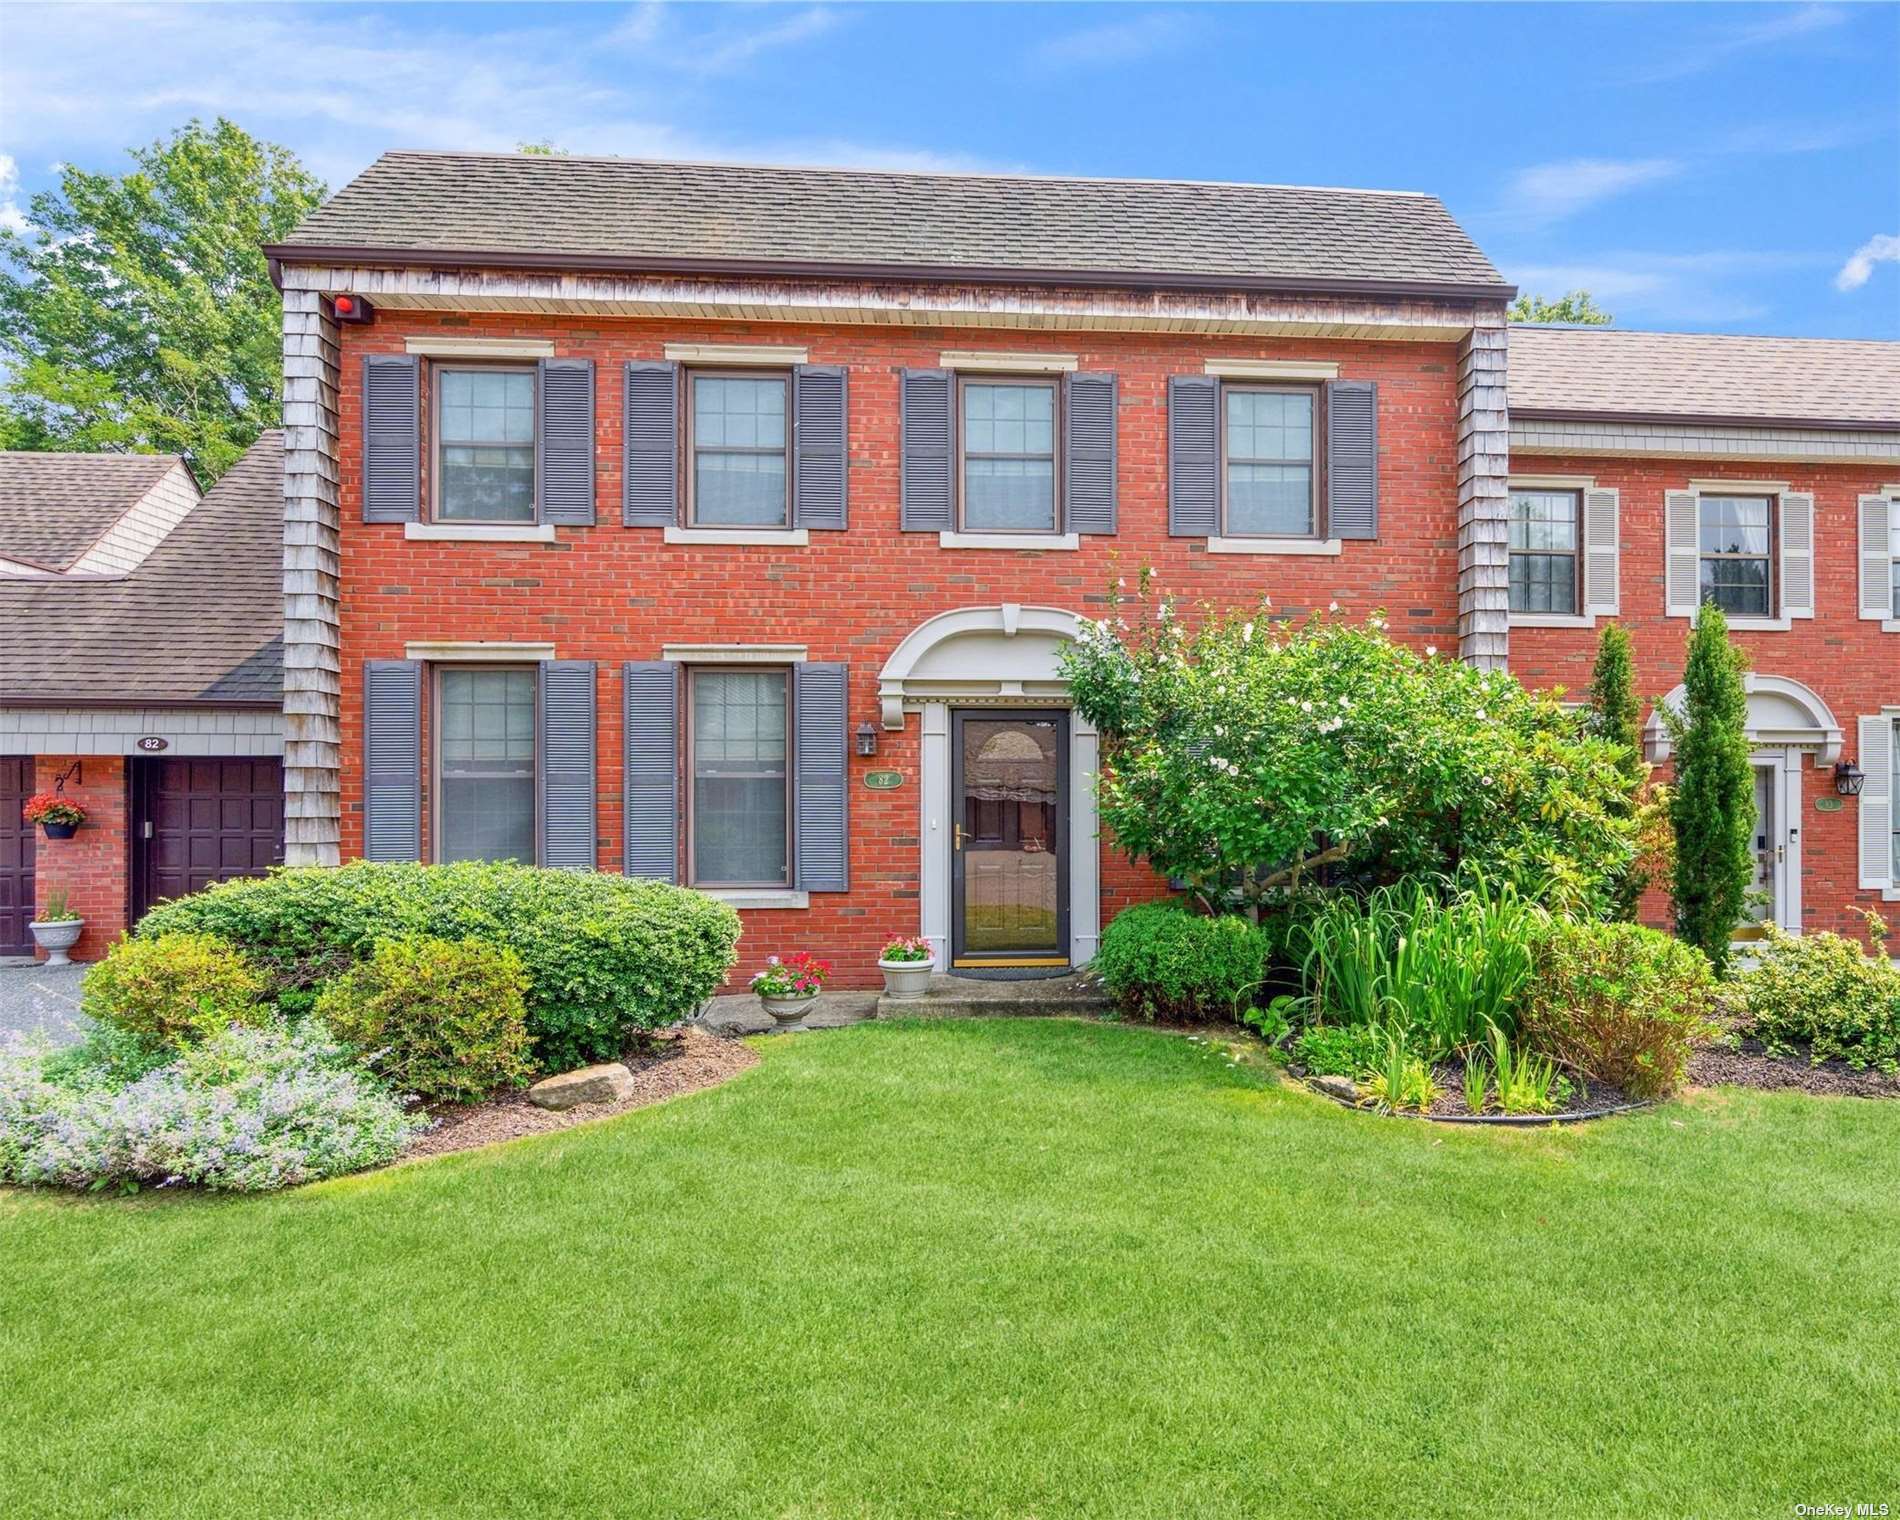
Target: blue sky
1705 167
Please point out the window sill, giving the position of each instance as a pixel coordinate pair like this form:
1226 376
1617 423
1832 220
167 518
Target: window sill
774 538
758 897
1761 625
480 533
1889 625
1329 546
949 540
1550 620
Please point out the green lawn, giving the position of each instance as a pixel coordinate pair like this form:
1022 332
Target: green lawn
987 1268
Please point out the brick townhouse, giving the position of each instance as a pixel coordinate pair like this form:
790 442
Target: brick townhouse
724 525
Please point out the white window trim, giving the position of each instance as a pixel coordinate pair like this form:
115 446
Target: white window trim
982 362
1891 891
1583 485
774 538
1551 620
478 652
1761 625
479 348
1271 369
1062 541
1701 488
1320 546
766 355
480 533
734 654
758 897
1741 488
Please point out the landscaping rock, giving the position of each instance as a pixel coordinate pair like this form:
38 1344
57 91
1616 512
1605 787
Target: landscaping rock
609 1083
1337 1087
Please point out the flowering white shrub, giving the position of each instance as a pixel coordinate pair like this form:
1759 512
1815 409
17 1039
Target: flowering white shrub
246 1111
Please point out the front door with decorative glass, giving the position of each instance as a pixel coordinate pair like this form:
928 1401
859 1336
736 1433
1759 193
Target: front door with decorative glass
1009 874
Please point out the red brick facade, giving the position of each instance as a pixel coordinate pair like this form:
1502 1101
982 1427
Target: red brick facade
1849 662
93 868
612 594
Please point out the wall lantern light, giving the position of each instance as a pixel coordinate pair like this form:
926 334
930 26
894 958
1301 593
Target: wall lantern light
1848 779
867 739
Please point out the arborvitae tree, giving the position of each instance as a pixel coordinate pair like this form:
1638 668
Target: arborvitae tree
1615 716
1712 807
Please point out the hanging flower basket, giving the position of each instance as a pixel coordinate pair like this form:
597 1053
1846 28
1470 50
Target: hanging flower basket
59 818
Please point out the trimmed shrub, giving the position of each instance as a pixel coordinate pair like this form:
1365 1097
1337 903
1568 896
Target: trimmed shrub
434 1017
606 956
1160 961
1821 991
1621 1003
248 1110
176 989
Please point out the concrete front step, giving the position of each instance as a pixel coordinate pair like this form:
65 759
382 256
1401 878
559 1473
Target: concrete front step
947 997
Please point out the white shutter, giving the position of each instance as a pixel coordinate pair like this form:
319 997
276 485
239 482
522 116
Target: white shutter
1876 559
1601 552
1682 535
1797 555
1876 801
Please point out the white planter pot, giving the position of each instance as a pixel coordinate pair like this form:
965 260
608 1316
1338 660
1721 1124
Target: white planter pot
57 938
787 1010
905 980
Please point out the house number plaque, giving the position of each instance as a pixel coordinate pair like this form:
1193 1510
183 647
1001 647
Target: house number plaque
152 744
883 781
1827 804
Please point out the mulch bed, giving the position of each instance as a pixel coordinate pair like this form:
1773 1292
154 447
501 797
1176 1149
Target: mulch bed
1751 1066
1588 1100
676 1062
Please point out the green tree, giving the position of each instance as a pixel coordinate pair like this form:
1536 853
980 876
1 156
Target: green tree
1245 756
1616 717
136 310
1575 308
1712 805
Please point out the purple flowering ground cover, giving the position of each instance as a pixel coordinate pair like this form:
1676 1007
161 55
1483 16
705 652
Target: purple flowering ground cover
986 1268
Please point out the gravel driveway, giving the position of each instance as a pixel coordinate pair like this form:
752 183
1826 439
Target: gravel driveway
41 998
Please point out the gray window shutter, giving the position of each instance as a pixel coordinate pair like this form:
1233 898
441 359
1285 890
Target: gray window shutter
392 438
392 759
652 746
1193 456
564 764
927 500
652 446
1797 555
1682 553
818 735
565 438
1879 601
819 462
1352 459
1088 466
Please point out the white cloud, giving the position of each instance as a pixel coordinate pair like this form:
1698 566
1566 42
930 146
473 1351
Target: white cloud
1881 248
1549 192
1714 287
339 87
1780 28
12 218
1113 42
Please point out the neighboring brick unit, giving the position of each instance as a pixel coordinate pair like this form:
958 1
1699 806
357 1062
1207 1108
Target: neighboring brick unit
91 866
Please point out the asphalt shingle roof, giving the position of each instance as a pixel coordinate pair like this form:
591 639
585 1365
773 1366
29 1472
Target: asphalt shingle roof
202 619
1841 382
660 215
54 507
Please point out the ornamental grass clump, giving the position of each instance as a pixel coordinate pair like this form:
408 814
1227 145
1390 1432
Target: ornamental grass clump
247 1110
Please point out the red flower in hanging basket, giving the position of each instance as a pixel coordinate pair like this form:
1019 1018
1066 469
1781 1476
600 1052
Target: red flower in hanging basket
50 807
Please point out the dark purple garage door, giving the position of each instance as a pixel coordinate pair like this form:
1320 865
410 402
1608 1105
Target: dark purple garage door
16 855
201 821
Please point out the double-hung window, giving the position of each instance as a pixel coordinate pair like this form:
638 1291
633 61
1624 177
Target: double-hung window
1893 565
484 455
1737 536
739 809
1008 436
1545 528
485 758
1269 461
738 460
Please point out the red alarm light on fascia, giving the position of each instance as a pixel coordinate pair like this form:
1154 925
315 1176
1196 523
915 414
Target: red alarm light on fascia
351 308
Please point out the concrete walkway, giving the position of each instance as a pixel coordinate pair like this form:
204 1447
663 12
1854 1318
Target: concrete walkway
947 997
38 999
